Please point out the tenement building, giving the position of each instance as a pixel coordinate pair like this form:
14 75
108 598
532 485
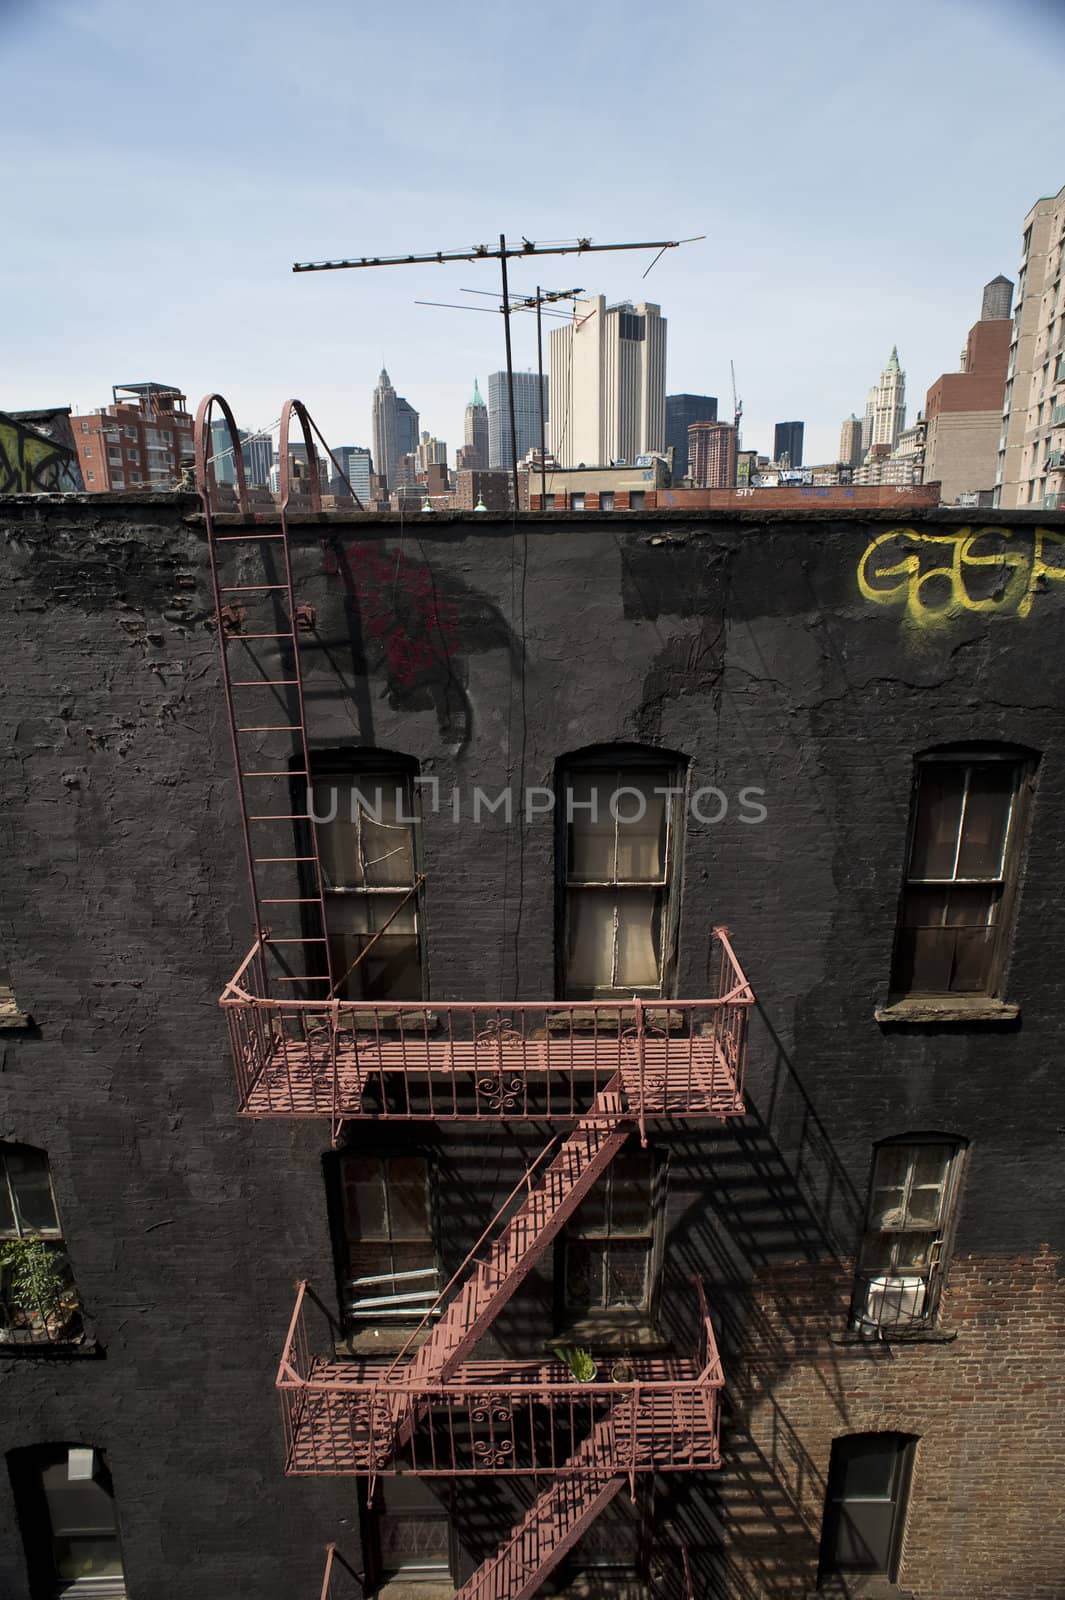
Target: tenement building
531 1053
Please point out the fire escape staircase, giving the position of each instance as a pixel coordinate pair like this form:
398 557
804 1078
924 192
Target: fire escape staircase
396 1400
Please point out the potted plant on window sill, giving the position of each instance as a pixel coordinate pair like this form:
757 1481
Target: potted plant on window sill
42 1298
579 1361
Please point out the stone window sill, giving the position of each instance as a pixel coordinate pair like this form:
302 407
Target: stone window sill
938 1008
56 1350
896 1336
611 1335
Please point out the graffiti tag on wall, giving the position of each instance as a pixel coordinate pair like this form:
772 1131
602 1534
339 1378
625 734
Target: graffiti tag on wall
932 577
32 464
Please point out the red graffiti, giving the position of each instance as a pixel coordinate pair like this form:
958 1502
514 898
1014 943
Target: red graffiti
416 630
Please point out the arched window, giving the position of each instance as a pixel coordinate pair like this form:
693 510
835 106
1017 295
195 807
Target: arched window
66 1511
966 826
620 826
865 1503
912 1198
38 1299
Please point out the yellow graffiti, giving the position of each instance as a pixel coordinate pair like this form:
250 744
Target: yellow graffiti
974 570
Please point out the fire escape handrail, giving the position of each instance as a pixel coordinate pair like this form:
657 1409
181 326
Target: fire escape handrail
524 1182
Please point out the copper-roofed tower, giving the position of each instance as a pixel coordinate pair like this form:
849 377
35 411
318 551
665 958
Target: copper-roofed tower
475 432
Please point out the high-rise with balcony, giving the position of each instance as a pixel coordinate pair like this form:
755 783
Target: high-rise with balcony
712 455
608 384
138 442
1031 454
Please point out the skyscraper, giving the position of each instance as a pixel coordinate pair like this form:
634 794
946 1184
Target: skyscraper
681 411
527 399
850 441
354 460
712 454
395 428
787 441
608 383
475 432
889 403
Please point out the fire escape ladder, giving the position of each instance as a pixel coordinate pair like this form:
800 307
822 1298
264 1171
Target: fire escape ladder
258 624
487 1279
549 1529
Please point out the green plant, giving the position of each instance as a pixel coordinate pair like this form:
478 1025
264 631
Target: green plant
39 1279
579 1361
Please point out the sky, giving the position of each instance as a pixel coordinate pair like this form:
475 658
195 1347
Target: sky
859 174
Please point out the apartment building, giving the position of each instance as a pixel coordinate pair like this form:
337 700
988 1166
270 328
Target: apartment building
138 442
1031 457
626 1147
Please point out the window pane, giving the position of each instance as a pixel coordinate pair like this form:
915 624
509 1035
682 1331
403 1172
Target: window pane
407 1198
931 1163
630 1191
935 835
991 787
590 957
913 1251
866 1468
627 1274
7 1214
591 838
374 849
28 1171
87 1557
584 1273
364 1199
591 1215
641 851
638 938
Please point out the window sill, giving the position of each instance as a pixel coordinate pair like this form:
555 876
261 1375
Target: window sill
611 1334
384 1341
936 1008
55 1350
896 1336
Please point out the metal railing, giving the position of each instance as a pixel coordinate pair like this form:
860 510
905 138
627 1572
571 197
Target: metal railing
498 1417
340 1581
418 1060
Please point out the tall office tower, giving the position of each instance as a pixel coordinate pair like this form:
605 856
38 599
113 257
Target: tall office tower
850 441
712 454
889 403
963 410
998 299
681 411
608 383
528 397
1031 456
357 465
395 428
475 432
787 441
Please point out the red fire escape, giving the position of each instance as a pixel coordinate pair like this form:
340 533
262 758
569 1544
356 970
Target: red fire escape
600 1070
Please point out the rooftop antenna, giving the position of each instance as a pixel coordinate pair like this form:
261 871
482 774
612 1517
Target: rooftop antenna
502 253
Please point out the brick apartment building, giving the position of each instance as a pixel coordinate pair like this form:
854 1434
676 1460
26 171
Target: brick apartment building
138 442
503 1084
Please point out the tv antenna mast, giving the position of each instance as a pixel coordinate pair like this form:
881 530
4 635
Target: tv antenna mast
503 252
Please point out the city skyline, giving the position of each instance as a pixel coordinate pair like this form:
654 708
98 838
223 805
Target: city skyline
904 277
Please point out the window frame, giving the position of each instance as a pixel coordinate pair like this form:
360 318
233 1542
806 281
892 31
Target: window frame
569 1315
27 1466
367 770
1023 762
623 763
372 1518
905 1451
941 1238
21 1326
345 1241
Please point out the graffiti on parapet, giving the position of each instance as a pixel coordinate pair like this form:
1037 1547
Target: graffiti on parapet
933 577
30 463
